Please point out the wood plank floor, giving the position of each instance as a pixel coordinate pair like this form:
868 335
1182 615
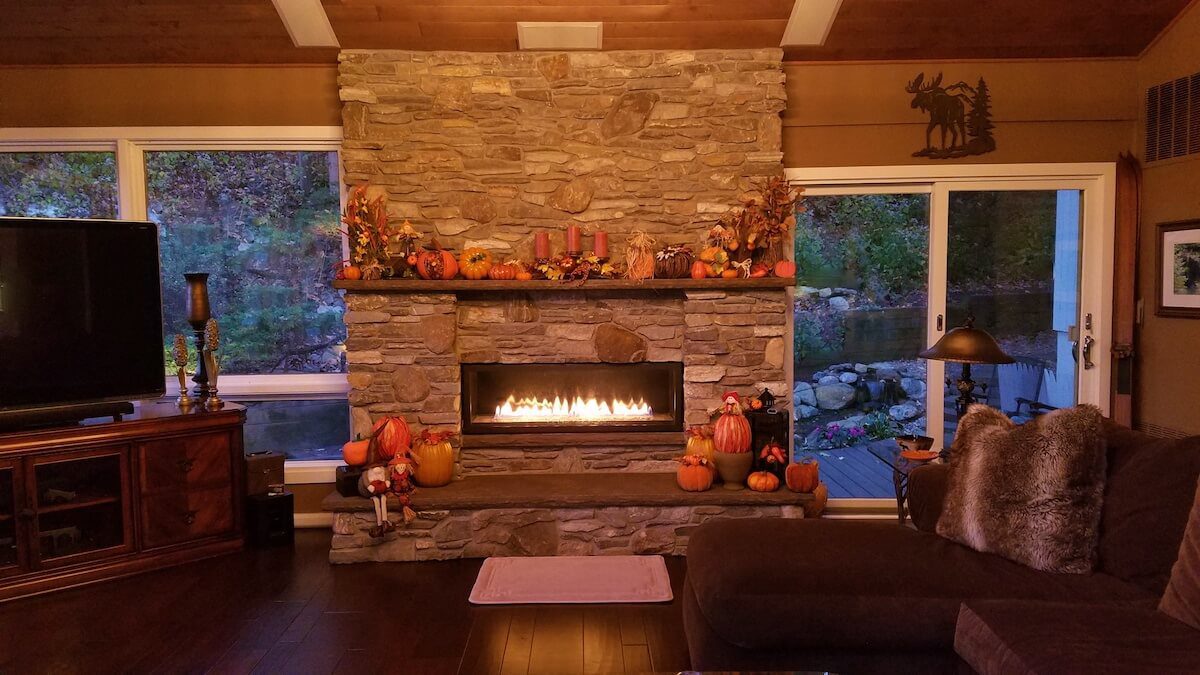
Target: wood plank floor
289 611
854 473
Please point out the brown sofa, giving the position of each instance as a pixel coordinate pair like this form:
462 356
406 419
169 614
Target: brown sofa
868 596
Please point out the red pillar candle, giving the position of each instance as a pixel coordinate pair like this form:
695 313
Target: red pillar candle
601 247
541 245
574 241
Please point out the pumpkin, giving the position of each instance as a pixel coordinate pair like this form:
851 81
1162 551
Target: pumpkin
759 271
695 473
435 459
763 481
731 433
820 499
700 270
354 453
475 263
673 262
524 276
700 441
729 274
352 272
803 476
785 268
436 264
503 272
392 435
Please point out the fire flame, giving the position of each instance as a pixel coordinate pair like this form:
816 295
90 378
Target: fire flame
563 409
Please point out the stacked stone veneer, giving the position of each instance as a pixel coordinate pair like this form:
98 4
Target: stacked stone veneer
617 530
482 149
405 353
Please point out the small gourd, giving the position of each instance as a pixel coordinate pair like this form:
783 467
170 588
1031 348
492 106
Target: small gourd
763 481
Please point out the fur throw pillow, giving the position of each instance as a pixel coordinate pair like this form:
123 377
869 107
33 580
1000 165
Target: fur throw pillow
1030 493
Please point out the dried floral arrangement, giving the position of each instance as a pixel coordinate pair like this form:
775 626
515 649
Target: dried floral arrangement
756 230
577 268
366 223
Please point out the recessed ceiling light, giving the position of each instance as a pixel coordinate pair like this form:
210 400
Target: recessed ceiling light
560 34
810 22
306 23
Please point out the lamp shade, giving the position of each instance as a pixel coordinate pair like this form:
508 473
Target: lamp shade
967 344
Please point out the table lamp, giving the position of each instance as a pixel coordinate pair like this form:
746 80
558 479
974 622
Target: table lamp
967 345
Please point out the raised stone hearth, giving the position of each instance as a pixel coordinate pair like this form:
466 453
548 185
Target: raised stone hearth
605 514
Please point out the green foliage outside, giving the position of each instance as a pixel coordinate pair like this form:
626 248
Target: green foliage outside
1001 240
58 184
259 223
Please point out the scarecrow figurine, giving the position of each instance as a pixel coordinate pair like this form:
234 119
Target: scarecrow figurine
731 402
375 484
400 471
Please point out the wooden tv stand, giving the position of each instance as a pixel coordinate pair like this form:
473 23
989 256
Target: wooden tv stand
105 499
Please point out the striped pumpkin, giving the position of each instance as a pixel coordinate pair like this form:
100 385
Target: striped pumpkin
732 432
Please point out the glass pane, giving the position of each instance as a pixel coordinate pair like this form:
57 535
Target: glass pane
79 505
8 523
299 429
263 224
860 320
58 184
1013 264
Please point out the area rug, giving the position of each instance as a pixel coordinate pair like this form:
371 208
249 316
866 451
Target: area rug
572 580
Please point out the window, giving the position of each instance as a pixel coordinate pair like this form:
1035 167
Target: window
255 207
58 184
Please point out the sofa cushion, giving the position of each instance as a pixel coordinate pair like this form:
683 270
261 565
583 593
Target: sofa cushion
1182 597
1031 493
773 583
1019 637
1151 482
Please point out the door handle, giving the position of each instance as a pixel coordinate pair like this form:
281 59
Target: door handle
1088 343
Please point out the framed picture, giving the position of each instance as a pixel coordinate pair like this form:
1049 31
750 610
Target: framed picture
1179 269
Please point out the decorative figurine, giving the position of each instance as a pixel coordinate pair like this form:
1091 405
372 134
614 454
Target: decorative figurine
400 472
212 341
179 353
374 484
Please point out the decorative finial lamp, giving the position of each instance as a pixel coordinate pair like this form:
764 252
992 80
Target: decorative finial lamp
967 345
199 311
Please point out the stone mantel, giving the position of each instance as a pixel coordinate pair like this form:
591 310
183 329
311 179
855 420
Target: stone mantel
543 286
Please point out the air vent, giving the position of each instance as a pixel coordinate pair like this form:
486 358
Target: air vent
1173 119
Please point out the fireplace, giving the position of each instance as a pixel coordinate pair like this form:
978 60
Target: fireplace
571 397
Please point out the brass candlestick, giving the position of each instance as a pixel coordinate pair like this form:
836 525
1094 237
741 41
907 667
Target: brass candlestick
212 341
179 353
199 311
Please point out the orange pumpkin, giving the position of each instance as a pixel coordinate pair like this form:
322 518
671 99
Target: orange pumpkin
731 433
695 474
729 274
699 270
475 263
354 453
803 476
435 459
785 268
392 434
524 276
503 272
352 272
763 481
439 264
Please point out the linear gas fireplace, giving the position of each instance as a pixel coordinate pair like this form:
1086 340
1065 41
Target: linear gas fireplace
570 397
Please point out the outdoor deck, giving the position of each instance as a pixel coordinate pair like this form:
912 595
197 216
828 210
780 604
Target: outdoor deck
854 473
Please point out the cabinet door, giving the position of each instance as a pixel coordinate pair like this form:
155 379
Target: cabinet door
12 553
185 463
81 505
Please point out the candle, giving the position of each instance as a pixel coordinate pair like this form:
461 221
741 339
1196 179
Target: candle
574 242
601 247
198 309
541 245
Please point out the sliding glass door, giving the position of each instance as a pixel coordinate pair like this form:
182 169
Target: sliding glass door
886 268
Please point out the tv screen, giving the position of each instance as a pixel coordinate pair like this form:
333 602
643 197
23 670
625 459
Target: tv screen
80 312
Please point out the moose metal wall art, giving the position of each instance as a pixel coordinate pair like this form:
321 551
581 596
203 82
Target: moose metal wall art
961 112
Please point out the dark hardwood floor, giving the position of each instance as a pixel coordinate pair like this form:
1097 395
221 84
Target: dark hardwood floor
289 611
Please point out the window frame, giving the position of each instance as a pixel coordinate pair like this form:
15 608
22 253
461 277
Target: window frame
129 144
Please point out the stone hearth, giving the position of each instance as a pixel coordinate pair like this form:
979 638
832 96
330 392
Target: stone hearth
608 514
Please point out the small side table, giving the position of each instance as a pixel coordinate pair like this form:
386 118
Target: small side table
888 452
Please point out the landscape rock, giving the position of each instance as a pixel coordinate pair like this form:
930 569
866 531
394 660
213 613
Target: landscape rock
803 392
848 378
913 387
828 379
834 396
839 303
903 412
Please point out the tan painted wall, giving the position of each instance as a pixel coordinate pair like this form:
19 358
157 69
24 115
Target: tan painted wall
1168 367
1045 111
100 96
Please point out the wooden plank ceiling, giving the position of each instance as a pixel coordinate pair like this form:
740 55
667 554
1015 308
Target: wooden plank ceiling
249 31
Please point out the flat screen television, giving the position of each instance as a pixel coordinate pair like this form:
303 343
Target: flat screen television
80 314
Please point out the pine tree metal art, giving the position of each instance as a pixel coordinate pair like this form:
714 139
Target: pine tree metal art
961 112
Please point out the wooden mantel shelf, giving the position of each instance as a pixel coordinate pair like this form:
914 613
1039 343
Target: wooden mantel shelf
543 286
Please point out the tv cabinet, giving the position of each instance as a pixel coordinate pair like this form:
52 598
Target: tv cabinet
104 499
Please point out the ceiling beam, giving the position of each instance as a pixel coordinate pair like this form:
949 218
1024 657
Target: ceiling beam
810 22
306 23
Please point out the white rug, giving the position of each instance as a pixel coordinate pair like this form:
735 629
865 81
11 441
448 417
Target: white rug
572 580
